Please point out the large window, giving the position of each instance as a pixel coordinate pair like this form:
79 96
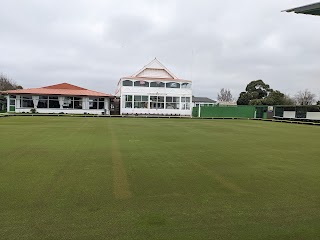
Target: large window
127 83
96 103
172 102
156 102
53 102
43 102
72 102
173 85
141 84
26 102
157 84
140 101
185 102
128 101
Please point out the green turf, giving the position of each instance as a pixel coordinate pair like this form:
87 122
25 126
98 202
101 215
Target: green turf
101 178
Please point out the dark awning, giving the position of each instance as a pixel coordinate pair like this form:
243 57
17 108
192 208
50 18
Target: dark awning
312 9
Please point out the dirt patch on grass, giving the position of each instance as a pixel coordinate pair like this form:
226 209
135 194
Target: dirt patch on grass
121 188
222 180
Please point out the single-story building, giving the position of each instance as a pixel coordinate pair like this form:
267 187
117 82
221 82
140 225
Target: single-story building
59 98
311 9
202 101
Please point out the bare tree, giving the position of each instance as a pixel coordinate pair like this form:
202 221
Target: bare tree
305 98
225 95
7 83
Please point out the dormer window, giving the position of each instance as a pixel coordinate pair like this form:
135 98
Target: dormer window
173 85
127 83
141 84
186 85
157 84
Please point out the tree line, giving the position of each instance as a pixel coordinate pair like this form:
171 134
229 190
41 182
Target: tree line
8 84
259 93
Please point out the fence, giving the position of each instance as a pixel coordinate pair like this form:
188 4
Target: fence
228 111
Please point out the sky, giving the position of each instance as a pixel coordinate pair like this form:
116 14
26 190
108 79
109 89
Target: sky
216 44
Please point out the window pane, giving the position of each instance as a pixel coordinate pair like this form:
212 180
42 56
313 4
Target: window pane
101 104
137 98
42 104
127 83
27 104
68 102
128 97
53 98
145 98
173 85
153 98
27 97
185 85
12 102
54 104
78 98
183 99
140 105
93 104
188 99
176 99
101 99
157 84
160 99
172 106
141 84
77 104
43 97
168 99
128 105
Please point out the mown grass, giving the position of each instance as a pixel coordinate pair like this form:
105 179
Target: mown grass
101 178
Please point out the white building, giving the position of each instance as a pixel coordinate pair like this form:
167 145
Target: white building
155 90
59 98
203 102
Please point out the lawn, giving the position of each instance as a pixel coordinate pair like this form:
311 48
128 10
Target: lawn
121 178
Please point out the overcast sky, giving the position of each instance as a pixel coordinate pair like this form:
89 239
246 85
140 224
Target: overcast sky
216 44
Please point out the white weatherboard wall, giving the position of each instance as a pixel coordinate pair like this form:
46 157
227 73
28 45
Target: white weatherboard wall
154 91
85 108
67 111
313 115
289 114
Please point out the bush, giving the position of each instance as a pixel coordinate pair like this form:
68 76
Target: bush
32 110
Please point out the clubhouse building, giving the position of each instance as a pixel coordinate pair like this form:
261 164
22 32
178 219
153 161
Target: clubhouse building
59 98
154 90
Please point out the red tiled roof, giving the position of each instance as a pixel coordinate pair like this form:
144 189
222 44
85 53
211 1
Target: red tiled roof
59 89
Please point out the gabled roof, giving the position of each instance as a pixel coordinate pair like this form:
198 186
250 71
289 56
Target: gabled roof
65 86
203 100
155 69
59 89
311 9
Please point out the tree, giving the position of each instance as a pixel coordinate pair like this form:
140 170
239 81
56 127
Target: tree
305 97
288 100
243 99
260 93
8 84
318 103
255 92
225 95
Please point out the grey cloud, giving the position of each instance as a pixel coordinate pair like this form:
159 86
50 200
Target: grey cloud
214 43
